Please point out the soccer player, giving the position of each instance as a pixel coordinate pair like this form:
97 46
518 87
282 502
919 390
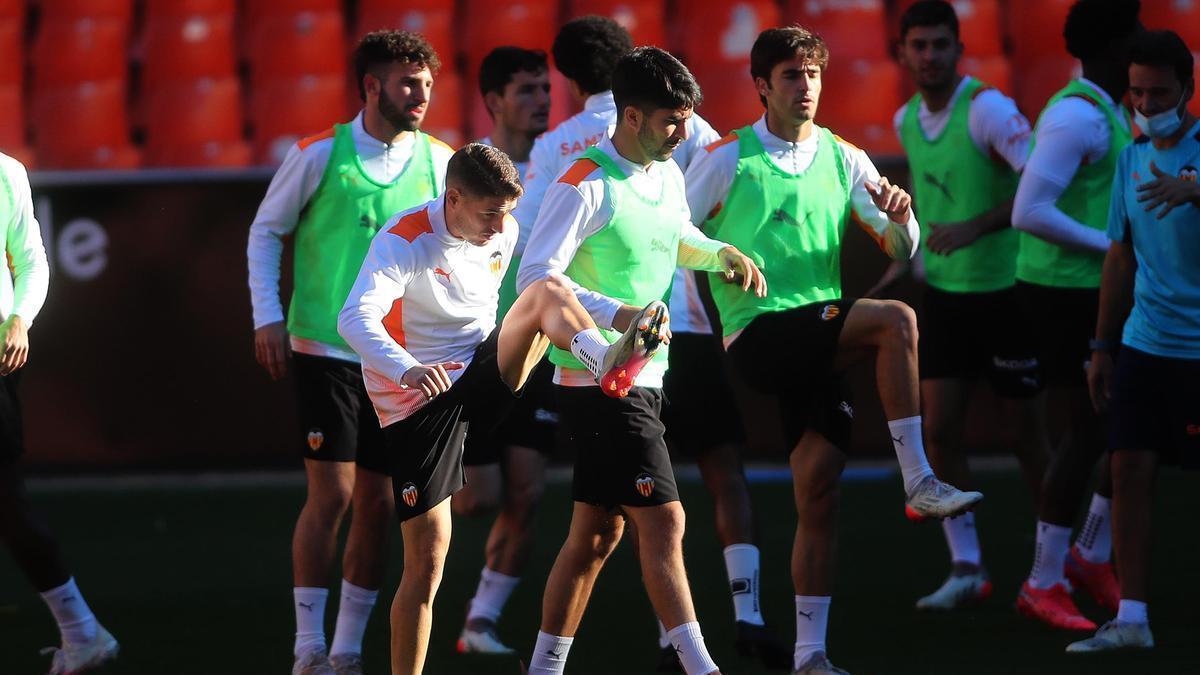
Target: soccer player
1154 393
332 193
616 223
85 643
422 314
966 144
783 189
1061 208
515 85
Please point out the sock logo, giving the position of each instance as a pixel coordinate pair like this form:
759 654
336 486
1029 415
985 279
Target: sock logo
67 599
644 484
740 586
315 439
409 494
557 655
898 439
307 606
830 312
807 615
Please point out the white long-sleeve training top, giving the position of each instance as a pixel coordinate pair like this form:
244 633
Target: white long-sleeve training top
422 297
23 289
571 213
294 184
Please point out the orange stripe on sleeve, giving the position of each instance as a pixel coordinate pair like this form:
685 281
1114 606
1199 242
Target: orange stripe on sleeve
718 143
843 141
412 226
393 321
305 142
580 169
438 141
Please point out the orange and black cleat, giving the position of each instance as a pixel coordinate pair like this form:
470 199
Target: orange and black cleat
626 357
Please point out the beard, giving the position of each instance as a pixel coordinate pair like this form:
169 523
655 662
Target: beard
398 118
659 150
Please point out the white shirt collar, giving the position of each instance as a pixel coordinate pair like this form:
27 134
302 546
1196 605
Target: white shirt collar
774 144
601 102
609 148
1099 90
358 130
437 220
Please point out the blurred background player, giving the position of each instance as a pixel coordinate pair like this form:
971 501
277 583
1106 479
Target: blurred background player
85 643
508 469
438 368
784 189
333 192
616 224
966 143
1061 208
1154 393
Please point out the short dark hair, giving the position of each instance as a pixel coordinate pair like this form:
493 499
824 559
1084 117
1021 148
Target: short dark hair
385 47
498 67
586 50
1093 25
649 78
776 45
483 171
928 14
1164 48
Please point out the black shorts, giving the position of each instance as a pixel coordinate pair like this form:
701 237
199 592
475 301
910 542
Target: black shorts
1156 406
972 335
790 354
425 449
701 412
337 421
1061 321
532 422
12 439
621 457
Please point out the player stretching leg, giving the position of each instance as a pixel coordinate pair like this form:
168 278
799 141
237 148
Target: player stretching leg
332 193
85 643
783 190
966 142
616 223
1061 208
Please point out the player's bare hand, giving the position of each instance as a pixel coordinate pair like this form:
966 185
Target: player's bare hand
891 199
1099 377
272 349
433 381
739 266
1167 192
14 344
945 239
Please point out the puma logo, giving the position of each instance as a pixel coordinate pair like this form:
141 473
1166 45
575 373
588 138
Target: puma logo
807 615
551 652
439 272
781 216
305 606
939 184
898 439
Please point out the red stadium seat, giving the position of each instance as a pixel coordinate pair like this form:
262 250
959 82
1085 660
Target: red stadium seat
1037 83
876 139
161 8
96 115
67 10
721 31
213 154
432 18
12 9
444 116
284 110
1036 33
183 47
644 19
858 93
80 50
290 45
994 70
853 29
12 50
12 122
979 25
525 23
194 112
1181 16
730 100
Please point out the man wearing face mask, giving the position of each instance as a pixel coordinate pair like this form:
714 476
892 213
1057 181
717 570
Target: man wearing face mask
332 193
1061 208
1153 394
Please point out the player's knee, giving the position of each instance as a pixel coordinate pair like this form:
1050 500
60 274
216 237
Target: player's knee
328 506
900 321
523 499
474 503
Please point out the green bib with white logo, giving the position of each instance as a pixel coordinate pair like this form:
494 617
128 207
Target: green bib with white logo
336 228
1086 200
633 258
790 224
954 181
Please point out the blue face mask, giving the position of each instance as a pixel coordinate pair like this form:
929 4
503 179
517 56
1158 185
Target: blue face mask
1165 123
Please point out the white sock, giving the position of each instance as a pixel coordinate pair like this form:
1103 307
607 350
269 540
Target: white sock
741 563
353 613
689 646
589 346
962 539
663 640
491 595
812 621
1050 555
1095 539
75 619
310 619
1132 611
910 451
549 654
